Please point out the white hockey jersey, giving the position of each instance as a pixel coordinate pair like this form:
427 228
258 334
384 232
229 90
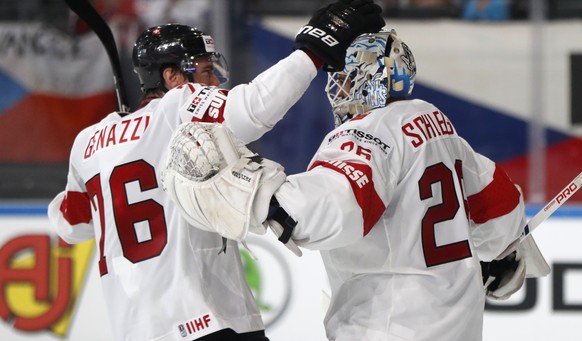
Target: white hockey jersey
403 210
163 279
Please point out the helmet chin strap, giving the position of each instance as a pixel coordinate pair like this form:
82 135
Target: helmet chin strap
358 108
190 77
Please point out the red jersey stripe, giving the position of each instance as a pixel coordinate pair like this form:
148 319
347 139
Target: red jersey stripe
486 205
76 208
360 178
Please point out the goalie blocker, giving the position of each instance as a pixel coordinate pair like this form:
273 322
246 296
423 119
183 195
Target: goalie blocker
220 186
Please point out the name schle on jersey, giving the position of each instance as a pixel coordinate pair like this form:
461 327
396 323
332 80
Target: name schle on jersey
427 126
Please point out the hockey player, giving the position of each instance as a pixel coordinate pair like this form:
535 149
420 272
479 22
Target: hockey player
401 207
163 279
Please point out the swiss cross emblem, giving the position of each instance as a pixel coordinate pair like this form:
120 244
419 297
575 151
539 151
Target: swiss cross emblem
196 100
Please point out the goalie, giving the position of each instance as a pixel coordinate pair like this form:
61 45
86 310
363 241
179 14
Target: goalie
415 228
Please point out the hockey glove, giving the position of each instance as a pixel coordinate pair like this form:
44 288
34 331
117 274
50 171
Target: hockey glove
502 278
332 29
217 183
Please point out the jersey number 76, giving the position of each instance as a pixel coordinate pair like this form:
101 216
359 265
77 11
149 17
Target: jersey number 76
126 215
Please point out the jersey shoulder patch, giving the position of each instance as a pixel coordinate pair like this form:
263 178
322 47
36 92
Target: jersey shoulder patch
207 104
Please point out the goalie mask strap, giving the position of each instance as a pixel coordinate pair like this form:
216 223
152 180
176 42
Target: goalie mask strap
277 213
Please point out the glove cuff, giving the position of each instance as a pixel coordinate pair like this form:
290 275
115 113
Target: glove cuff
317 61
278 214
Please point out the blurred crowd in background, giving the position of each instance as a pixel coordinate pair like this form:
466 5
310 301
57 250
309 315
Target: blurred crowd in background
173 10
140 14
130 17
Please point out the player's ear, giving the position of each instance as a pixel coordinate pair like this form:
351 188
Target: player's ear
173 77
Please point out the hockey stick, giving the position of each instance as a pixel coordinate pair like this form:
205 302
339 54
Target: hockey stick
552 206
96 23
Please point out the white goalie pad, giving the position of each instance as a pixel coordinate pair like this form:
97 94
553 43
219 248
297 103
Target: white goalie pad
217 183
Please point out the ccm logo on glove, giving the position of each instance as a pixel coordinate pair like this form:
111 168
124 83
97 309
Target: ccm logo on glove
320 34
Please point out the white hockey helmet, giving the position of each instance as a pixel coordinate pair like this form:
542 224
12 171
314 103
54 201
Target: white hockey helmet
378 66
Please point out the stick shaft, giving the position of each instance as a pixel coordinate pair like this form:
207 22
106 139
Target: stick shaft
553 205
89 15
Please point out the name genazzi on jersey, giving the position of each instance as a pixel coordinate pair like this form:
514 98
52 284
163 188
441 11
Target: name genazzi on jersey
128 130
426 127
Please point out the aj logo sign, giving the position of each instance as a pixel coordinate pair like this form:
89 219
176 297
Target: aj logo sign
40 281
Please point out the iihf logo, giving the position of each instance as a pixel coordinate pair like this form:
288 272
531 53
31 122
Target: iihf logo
182 330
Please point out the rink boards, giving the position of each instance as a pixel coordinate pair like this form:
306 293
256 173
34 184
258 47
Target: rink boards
292 290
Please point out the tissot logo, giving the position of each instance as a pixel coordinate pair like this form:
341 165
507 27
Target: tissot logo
360 136
199 101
